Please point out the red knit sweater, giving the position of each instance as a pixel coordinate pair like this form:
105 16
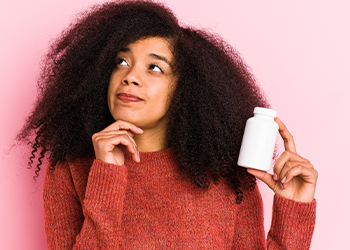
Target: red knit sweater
90 204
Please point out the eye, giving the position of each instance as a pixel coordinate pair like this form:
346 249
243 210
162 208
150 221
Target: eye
156 68
120 61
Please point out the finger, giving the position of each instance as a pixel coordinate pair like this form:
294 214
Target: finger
263 176
105 145
285 157
115 132
308 175
109 134
122 125
124 140
108 144
290 165
286 136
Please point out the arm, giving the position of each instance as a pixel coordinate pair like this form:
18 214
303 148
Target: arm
292 224
95 223
294 183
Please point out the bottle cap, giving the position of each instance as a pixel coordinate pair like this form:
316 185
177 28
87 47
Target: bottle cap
265 111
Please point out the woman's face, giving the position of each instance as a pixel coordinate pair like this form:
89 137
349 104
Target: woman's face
142 83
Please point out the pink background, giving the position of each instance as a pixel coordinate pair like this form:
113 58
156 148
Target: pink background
298 50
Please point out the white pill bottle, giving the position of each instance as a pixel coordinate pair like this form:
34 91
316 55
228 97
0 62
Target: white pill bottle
259 140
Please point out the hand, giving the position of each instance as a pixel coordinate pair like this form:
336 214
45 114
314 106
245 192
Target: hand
294 176
110 144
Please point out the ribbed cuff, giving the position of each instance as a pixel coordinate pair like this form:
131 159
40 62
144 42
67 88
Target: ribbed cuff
299 212
292 223
106 185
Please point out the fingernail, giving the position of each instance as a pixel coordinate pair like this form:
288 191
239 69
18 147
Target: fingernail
140 130
275 177
138 156
284 179
281 185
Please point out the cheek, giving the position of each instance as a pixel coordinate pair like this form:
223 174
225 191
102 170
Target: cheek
110 94
170 92
162 99
112 85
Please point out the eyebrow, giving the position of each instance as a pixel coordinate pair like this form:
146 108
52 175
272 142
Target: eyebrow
155 56
160 58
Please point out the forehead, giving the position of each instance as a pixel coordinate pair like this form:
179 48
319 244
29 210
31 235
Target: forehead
149 45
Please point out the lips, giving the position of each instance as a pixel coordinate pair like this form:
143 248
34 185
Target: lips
128 97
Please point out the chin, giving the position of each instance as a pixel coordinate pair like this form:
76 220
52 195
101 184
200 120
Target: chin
140 121
128 118
125 119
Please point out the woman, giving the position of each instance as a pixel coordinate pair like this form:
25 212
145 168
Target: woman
166 107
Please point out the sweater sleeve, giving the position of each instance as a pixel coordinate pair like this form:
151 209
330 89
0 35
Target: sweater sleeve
94 224
292 224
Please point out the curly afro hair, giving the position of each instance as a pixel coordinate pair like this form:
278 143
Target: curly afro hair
215 93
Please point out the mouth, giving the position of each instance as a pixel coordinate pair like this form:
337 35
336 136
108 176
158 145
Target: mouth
124 97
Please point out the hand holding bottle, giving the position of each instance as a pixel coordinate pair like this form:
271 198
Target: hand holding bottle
294 177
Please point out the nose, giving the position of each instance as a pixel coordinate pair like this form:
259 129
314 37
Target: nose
132 77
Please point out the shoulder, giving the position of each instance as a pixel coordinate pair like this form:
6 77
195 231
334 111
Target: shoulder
69 176
70 169
252 201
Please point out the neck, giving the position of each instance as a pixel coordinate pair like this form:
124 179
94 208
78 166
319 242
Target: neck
151 140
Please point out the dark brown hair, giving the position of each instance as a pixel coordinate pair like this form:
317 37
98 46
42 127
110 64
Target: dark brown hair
215 93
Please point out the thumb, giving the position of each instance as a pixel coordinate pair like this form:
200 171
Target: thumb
263 176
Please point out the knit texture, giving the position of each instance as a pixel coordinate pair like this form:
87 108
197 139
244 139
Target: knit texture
89 204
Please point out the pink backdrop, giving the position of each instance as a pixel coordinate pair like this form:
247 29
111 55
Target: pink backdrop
298 50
